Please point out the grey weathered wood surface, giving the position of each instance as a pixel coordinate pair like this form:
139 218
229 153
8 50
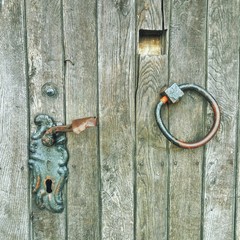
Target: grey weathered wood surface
80 45
14 193
151 159
126 181
187 64
116 75
223 82
45 61
149 14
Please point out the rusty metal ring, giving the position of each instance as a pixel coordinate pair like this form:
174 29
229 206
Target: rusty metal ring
173 94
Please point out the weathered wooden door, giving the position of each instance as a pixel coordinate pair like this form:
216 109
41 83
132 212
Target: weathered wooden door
110 58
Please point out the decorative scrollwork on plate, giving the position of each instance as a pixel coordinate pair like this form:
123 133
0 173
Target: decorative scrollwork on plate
48 165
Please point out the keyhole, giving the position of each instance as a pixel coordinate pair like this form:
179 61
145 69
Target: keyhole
49 185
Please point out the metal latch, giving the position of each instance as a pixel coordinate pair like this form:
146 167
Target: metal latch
49 157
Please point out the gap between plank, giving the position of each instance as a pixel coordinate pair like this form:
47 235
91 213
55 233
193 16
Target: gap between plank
30 234
64 106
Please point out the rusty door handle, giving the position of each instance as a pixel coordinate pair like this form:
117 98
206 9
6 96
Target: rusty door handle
173 94
48 159
77 126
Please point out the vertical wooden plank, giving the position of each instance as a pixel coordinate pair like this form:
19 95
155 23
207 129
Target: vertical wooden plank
151 154
116 56
151 147
14 216
223 82
81 100
187 64
149 14
45 59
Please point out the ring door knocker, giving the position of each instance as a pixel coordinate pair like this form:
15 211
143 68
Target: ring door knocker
48 159
173 95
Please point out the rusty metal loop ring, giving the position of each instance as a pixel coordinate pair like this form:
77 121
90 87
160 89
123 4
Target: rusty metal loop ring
211 133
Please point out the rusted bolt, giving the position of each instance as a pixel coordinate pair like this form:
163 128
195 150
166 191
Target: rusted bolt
50 90
174 93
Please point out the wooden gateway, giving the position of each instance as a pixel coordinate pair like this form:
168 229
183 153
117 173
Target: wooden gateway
71 59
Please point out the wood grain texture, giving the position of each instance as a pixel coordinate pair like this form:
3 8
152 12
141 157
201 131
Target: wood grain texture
116 61
223 83
45 59
14 214
149 14
187 64
126 181
151 155
80 38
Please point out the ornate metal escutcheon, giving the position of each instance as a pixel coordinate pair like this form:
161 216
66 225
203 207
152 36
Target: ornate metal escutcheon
48 159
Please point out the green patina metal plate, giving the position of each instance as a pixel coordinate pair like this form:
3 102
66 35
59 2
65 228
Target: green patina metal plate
48 165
